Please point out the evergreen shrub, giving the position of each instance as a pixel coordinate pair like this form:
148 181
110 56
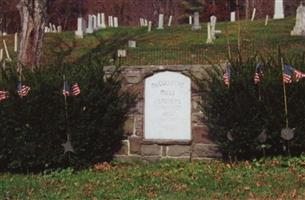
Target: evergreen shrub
237 115
33 128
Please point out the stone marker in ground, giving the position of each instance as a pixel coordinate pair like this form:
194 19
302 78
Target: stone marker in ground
253 14
299 28
196 25
99 22
103 25
233 16
115 22
266 20
79 33
190 20
149 26
141 22
209 34
122 53
94 22
161 21
90 24
278 9
167 107
1 54
59 29
170 21
16 42
213 20
145 22
132 44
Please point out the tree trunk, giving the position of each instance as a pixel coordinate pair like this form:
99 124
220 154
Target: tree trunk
33 17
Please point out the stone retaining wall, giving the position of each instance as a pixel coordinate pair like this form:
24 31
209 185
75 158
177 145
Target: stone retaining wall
136 147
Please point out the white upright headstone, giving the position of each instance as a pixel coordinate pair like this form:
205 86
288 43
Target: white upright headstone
90 24
111 21
190 20
149 26
132 44
233 16
59 29
94 21
103 25
170 21
213 20
99 21
278 9
54 28
161 21
209 39
115 22
79 33
16 42
253 14
141 22
51 27
145 22
299 28
167 107
196 25
266 20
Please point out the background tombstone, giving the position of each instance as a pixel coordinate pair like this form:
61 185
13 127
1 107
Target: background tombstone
161 21
132 44
196 25
103 25
99 22
233 16
145 22
59 29
167 107
299 28
1 54
266 20
278 9
213 20
149 26
122 53
141 22
90 25
115 22
170 21
54 28
94 22
80 29
190 20
209 33
253 14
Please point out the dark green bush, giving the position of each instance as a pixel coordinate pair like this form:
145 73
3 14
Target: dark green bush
237 115
34 127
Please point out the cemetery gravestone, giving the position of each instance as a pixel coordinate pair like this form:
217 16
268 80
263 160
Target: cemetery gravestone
90 25
80 29
94 21
213 20
149 26
167 107
266 20
132 44
170 21
299 28
278 9
233 16
190 20
253 14
115 22
196 25
99 22
103 25
161 21
141 22
209 39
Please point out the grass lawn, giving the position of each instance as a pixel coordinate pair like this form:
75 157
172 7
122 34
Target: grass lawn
274 179
176 45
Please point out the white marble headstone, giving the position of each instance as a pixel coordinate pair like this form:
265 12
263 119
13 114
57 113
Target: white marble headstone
103 25
278 9
167 107
233 16
161 21
299 28
80 28
196 25
115 22
170 21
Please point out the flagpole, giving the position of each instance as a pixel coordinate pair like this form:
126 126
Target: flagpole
285 95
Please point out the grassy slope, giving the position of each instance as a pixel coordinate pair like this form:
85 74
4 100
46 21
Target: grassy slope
165 180
176 45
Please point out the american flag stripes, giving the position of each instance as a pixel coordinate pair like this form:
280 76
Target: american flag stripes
258 74
3 95
290 73
73 91
227 75
22 90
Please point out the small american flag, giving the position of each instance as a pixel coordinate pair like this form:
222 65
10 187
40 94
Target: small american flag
258 74
75 90
298 75
288 74
22 90
227 75
66 89
3 95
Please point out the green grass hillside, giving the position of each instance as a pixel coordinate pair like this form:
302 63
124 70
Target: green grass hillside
175 45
